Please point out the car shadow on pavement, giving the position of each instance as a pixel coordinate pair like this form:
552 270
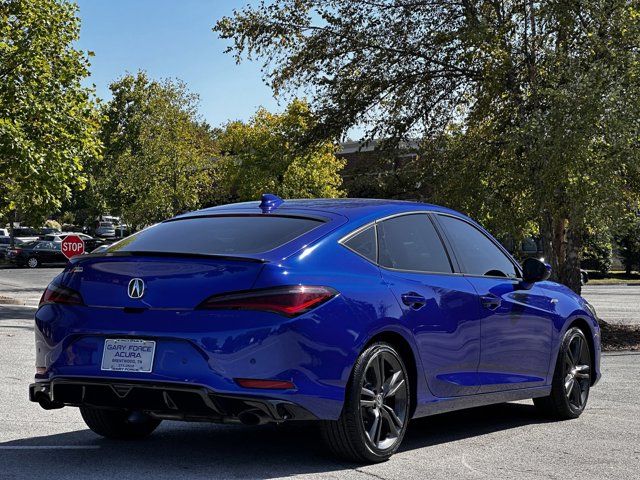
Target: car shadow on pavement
224 451
16 312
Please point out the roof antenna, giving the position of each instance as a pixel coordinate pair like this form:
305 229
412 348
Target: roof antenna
270 202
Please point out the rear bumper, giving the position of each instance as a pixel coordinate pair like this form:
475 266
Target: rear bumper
209 349
165 400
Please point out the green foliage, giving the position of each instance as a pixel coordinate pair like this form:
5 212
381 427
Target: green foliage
52 224
48 122
597 252
529 111
267 155
67 218
628 241
158 155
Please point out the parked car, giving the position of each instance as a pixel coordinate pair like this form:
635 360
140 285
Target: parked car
26 234
361 314
90 243
48 230
5 242
4 232
105 229
36 253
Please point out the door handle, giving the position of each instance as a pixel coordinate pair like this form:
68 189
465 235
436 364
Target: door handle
413 300
491 302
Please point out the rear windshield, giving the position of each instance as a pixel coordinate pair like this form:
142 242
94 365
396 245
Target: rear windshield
233 235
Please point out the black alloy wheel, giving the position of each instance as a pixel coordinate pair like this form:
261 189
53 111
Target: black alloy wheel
377 408
384 400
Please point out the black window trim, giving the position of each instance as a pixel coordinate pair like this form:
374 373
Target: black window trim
515 264
428 213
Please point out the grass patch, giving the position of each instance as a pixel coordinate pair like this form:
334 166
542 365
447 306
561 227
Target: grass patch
614 278
620 337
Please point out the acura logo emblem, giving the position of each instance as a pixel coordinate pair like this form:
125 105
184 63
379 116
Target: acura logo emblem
136 288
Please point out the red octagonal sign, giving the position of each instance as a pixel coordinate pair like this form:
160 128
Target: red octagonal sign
72 245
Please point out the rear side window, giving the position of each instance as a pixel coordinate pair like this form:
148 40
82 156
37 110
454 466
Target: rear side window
477 253
232 235
364 243
410 242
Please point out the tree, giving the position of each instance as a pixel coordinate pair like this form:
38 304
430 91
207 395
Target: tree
533 106
159 156
597 252
628 240
265 155
48 120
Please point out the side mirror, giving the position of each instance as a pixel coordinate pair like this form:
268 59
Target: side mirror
534 270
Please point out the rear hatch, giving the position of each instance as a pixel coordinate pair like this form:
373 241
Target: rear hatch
183 261
174 283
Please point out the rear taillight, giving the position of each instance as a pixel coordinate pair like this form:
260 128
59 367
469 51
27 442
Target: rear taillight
15 251
289 301
59 294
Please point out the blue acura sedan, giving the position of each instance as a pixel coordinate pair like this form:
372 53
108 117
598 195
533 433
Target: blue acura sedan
360 314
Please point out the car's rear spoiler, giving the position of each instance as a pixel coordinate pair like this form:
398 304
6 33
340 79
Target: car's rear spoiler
80 258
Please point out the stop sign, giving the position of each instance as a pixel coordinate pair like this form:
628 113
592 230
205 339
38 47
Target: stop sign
72 245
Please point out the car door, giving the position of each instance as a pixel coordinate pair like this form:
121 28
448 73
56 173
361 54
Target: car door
43 252
440 306
516 324
56 253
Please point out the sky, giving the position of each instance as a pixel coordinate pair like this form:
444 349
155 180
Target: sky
172 39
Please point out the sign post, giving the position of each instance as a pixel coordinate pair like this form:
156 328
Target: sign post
72 245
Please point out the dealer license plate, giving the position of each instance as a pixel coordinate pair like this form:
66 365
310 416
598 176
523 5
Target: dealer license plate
126 355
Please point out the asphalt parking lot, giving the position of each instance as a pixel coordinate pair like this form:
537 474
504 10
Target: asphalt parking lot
503 441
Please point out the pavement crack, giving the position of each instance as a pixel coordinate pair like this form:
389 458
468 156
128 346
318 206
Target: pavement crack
380 477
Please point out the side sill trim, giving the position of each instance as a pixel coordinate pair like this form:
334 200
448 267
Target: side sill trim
442 405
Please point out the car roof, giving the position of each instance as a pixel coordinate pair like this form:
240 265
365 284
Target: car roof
351 208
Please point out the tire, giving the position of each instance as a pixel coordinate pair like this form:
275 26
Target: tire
33 262
117 424
571 379
376 411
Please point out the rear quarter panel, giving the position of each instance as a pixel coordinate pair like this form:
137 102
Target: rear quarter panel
371 307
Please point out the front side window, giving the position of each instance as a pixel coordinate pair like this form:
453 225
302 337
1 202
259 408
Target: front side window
219 235
410 242
477 254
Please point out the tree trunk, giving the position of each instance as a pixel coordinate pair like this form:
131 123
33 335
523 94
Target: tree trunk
570 270
12 220
561 244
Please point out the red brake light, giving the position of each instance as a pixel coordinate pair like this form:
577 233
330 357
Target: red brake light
59 294
264 384
289 301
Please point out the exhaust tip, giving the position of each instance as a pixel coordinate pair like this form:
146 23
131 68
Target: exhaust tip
252 417
45 402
